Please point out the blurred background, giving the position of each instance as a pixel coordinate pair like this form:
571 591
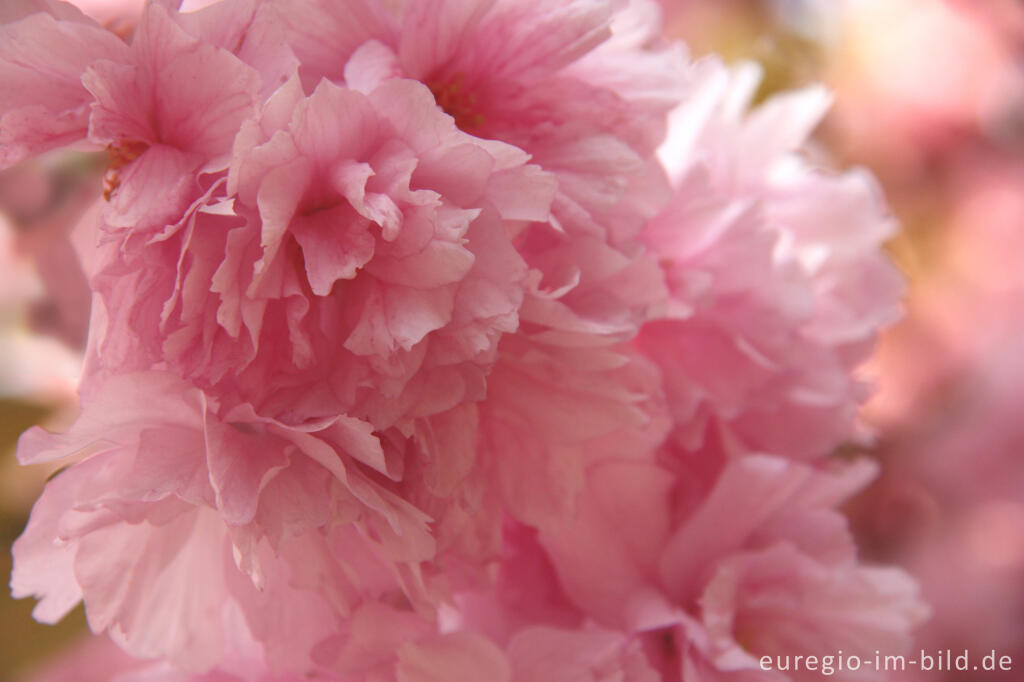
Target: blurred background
929 95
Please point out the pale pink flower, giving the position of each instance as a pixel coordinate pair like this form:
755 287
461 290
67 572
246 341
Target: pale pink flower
583 87
178 508
723 552
166 108
55 39
781 601
161 125
775 270
365 395
694 573
362 270
259 302
158 126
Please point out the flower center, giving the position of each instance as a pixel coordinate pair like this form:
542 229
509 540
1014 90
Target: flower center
457 101
121 155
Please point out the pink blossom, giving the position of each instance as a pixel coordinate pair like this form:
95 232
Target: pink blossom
55 39
778 283
714 555
417 354
780 602
582 87
702 571
159 106
175 510
399 319
164 113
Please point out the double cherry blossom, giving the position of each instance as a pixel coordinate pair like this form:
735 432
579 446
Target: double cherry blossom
450 341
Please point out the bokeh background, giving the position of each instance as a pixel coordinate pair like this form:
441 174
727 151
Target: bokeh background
929 95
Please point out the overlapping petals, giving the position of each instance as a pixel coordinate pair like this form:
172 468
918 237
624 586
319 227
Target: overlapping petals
418 353
778 296
174 508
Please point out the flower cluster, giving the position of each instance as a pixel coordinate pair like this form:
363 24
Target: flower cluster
450 341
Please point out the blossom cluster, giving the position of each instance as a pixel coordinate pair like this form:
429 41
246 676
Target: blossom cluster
444 341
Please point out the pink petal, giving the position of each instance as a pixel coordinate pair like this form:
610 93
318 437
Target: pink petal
42 101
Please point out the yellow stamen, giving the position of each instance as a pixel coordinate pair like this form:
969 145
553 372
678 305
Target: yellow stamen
121 155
